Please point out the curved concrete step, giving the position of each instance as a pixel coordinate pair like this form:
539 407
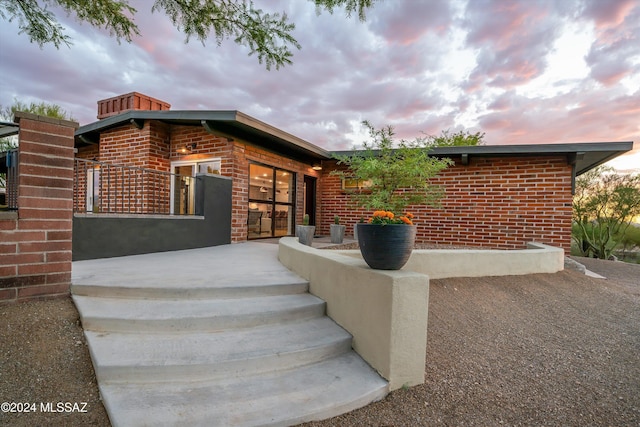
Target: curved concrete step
202 315
198 356
213 289
314 392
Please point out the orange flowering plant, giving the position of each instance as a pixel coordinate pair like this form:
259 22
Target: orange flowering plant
386 217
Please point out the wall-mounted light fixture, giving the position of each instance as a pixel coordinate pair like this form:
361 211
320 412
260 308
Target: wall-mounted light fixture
316 166
188 148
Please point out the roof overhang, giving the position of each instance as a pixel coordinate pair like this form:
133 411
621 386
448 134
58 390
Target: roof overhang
584 156
8 129
228 124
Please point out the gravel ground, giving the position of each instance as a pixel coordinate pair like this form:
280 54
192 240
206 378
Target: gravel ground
44 358
548 349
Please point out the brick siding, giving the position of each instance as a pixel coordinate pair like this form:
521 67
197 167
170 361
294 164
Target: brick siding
35 243
491 202
156 145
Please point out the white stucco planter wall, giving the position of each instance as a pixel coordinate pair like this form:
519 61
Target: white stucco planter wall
385 311
445 263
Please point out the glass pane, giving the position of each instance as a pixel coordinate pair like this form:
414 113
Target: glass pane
283 221
284 186
183 191
259 220
209 168
261 183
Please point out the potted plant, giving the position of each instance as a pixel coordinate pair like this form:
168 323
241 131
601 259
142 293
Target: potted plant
305 231
397 176
337 230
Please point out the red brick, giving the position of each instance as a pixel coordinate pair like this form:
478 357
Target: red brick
8 271
16 259
53 289
58 256
32 269
8 248
50 246
59 235
58 278
35 224
8 224
30 213
8 295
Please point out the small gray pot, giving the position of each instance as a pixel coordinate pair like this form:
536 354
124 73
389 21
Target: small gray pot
305 233
337 233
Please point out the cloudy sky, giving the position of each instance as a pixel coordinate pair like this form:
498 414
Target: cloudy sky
523 72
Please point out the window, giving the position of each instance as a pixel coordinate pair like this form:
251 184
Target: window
271 201
352 184
183 184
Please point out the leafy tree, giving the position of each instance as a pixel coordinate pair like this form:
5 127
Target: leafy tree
42 109
266 34
604 207
455 139
398 174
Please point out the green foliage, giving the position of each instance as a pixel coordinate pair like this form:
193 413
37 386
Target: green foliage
398 175
455 139
42 27
350 6
268 35
604 206
41 109
305 219
336 219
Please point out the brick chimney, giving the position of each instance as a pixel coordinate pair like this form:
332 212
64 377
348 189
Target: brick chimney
130 101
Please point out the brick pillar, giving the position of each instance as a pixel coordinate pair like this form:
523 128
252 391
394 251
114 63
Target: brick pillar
35 243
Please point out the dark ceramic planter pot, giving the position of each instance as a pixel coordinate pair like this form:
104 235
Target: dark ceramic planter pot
386 247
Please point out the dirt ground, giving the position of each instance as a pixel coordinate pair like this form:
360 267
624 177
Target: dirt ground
543 350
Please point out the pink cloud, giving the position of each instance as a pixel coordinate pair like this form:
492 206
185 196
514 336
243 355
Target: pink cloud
608 13
513 39
405 23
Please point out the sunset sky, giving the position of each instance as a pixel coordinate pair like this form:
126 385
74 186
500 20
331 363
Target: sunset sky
523 72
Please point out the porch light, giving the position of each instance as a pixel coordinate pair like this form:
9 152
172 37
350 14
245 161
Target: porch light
316 166
188 148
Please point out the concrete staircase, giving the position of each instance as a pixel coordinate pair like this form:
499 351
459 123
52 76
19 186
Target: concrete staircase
224 351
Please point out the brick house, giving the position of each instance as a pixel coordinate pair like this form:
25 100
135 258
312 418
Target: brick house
496 196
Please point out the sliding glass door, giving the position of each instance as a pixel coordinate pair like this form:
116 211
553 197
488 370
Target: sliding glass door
271 201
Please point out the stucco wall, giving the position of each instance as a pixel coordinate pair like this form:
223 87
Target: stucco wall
385 311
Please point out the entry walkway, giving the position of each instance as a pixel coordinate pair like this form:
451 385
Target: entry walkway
215 336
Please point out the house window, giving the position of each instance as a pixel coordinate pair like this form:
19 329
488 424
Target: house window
93 190
271 201
183 182
352 184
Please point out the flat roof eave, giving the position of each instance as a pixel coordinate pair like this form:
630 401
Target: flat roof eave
586 155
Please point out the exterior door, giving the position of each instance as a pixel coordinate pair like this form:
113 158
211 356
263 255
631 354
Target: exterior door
310 198
271 202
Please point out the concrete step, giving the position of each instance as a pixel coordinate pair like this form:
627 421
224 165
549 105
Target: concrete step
201 315
209 290
156 357
322 390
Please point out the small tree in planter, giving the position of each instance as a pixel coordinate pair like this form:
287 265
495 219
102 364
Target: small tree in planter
305 231
397 176
337 230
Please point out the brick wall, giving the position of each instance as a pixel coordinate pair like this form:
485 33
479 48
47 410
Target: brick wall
245 153
156 145
492 202
35 242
